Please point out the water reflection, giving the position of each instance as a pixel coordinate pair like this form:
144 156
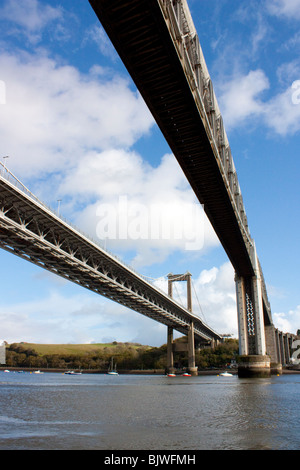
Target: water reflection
149 412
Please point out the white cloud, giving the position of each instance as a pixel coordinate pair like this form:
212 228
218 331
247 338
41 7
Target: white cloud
286 8
77 319
288 322
260 34
291 43
214 298
216 293
74 130
30 16
288 72
151 211
282 113
58 318
98 35
241 103
54 114
240 97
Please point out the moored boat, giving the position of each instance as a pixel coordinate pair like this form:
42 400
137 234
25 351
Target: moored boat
72 372
112 370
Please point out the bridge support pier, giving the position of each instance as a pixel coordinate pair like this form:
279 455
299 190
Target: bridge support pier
170 357
193 370
273 350
254 361
254 365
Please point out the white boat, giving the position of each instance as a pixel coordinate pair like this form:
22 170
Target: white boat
112 370
226 374
38 372
6 370
72 372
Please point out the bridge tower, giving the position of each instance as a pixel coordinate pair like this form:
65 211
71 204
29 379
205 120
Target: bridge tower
193 370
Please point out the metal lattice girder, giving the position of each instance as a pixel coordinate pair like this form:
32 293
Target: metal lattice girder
33 232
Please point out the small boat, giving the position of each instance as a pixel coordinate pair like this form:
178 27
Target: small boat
186 375
226 374
38 372
171 375
112 370
7 371
72 372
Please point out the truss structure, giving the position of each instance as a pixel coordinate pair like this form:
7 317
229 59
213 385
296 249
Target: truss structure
33 232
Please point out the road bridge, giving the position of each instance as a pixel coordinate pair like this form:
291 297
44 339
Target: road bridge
158 43
32 231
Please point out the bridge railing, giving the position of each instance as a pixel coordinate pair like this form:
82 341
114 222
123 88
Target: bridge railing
9 176
188 46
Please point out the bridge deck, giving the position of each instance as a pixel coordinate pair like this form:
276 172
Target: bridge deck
140 34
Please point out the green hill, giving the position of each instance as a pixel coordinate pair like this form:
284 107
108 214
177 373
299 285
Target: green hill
128 356
79 349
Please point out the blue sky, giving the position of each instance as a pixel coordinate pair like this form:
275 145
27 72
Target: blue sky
76 130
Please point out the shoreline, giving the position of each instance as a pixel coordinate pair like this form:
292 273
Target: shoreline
132 372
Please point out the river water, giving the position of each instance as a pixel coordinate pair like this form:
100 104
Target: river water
54 411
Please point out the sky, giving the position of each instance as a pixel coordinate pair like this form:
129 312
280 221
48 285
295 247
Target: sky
80 137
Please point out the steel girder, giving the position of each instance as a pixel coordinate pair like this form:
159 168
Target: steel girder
158 43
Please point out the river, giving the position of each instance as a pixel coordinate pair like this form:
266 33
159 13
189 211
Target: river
54 411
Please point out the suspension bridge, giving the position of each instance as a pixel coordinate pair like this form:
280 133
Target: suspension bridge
32 231
159 45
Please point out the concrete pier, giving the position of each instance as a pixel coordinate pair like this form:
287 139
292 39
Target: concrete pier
193 370
254 366
276 368
170 356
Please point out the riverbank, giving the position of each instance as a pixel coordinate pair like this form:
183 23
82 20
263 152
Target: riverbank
121 372
132 372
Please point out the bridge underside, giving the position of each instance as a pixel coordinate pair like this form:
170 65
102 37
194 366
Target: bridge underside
138 31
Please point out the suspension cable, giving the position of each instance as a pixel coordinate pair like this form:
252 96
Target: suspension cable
201 311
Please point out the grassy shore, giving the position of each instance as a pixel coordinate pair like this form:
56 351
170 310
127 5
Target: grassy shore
80 349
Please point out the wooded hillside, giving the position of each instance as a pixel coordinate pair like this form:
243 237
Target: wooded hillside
127 356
